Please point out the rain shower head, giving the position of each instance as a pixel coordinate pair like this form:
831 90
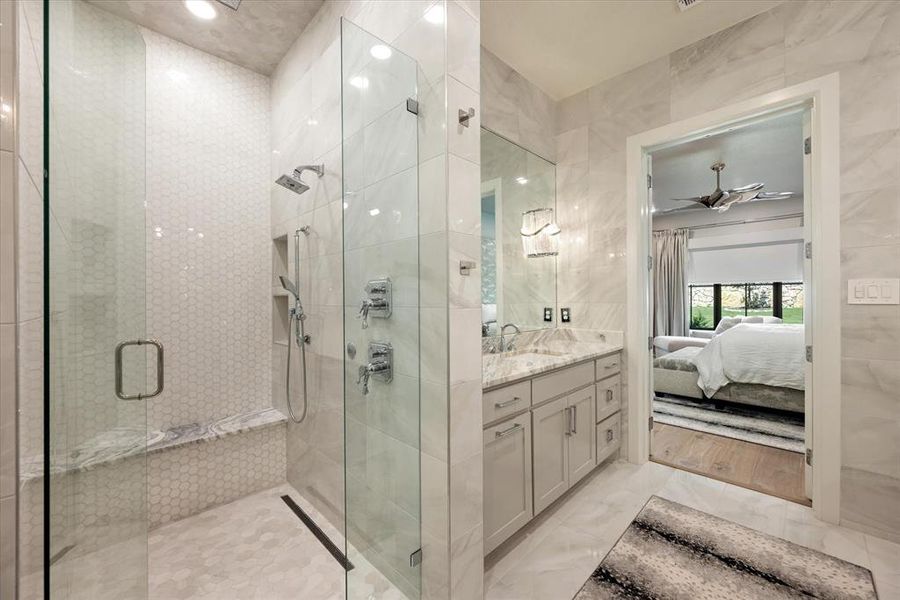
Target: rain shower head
293 181
288 285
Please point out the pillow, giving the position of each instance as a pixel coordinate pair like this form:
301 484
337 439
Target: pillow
726 323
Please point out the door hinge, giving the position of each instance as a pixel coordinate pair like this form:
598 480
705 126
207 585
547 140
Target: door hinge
650 342
807 146
650 424
809 457
649 263
412 106
808 249
809 354
649 181
415 559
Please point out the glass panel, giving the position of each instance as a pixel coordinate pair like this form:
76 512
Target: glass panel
515 288
734 300
702 307
96 277
381 269
759 300
792 300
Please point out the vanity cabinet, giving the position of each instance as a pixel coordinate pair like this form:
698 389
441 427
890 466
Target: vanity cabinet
551 424
542 436
507 479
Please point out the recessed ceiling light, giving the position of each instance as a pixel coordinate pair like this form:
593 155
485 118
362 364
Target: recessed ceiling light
435 14
201 9
375 212
521 180
380 51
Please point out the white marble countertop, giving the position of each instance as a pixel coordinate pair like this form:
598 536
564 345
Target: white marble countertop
501 369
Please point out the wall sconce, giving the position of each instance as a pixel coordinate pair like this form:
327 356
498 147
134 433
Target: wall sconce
540 233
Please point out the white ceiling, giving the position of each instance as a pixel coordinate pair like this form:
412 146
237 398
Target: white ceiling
565 46
769 152
257 35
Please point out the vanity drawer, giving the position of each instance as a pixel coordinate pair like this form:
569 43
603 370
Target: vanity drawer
506 401
562 382
609 437
609 365
609 397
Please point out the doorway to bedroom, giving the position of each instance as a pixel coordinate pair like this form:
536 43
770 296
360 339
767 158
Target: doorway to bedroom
728 285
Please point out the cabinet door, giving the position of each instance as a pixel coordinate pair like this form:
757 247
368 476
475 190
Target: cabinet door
507 479
581 440
550 425
609 397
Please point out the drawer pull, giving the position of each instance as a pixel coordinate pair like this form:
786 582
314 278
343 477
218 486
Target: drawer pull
575 419
609 395
609 435
508 431
506 403
611 365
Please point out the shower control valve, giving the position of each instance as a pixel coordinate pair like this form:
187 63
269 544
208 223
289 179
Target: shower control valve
379 367
377 301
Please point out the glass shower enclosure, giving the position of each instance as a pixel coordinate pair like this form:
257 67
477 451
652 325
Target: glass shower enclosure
381 311
104 366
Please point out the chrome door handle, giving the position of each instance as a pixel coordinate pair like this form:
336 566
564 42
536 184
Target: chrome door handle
609 435
160 369
506 403
508 431
575 419
609 395
568 420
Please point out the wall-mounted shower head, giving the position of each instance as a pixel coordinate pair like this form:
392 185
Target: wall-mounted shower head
293 181
289 286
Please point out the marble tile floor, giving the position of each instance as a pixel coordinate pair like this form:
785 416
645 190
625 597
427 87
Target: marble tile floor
255 548
554 555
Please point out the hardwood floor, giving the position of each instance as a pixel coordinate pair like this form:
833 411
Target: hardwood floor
765 469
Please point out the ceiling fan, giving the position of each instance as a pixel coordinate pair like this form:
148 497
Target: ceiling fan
721 200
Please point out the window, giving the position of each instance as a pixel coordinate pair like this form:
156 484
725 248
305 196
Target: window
709 303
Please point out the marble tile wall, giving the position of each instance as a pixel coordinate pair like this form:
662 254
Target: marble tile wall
792 43
208 295
21 280
516 108
11 31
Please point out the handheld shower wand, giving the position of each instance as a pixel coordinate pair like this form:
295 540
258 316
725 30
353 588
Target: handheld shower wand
297 317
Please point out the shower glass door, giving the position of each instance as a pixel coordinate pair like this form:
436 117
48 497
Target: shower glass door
381 317
95 271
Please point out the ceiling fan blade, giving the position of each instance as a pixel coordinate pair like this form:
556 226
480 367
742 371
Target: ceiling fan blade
747 188
774 195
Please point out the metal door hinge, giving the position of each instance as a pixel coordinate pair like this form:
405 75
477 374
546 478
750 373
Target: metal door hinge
650 342
412 106
649 181
649 263
809 354
650 424
807 146
809 457
415 559
808 249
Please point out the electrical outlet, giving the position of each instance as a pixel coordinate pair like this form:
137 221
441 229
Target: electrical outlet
548 314
565 315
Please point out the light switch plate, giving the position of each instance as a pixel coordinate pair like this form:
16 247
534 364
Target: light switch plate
873 291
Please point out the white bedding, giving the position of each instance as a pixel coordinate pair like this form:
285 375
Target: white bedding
750 353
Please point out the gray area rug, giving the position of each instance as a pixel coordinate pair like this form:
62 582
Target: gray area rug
779 430
672 552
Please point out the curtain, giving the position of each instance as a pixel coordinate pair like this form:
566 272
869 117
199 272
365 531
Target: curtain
670 248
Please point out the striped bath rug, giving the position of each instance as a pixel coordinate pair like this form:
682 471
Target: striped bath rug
770 428
674 552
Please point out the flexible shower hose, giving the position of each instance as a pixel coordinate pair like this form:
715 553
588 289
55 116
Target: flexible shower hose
300 339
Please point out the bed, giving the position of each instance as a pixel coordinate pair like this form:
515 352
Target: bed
757 365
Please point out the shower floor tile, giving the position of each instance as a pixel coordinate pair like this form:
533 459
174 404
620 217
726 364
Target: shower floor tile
254 548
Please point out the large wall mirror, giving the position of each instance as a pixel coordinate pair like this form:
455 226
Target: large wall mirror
519 237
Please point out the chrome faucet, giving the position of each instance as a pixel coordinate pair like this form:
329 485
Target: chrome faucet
504 346
380 365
